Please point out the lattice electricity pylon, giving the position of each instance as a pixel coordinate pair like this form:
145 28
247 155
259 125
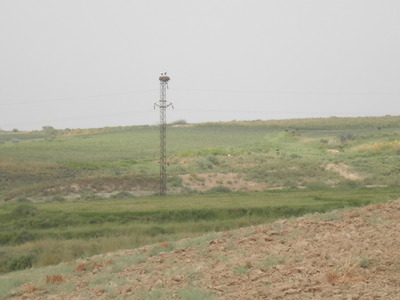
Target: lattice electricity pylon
163 105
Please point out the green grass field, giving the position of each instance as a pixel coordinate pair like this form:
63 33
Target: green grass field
48 233
285 153
66 194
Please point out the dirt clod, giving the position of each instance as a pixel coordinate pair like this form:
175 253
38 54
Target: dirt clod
55 279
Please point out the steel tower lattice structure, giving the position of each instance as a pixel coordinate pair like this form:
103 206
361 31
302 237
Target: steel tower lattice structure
163 105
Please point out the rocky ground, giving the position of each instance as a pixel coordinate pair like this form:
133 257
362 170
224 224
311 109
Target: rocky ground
346 254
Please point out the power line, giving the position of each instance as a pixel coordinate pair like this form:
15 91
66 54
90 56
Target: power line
85 117
61 99
291 92
78 97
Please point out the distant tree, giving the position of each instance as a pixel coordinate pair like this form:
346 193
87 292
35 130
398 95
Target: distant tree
179 122
47 128
15 130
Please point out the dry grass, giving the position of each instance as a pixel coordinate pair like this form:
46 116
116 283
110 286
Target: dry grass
381 146
346 272
55 279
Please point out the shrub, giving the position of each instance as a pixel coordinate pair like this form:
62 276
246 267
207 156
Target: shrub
138 259
122 195
155 230
24 210
20 262
347 137
213 159
205 164
316 186
23 200
273 260
220 189
174 181
364 262
58 199
23 237
209 162
6 238
323 141
152 295
163 247
191 293
240 270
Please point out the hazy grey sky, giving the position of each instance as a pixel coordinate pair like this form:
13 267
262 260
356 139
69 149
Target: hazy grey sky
95 63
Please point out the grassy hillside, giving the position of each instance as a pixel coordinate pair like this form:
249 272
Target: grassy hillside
91 191
287 153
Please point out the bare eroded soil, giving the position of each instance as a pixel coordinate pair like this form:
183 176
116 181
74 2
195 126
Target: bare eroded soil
348 254
234 182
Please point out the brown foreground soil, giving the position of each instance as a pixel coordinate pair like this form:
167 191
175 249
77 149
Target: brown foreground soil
345 254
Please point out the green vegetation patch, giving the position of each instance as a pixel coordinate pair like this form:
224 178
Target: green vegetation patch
31 233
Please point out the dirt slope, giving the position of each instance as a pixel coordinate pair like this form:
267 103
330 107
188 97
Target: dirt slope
349 254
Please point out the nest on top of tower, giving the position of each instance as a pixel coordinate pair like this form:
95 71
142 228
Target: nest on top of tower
164 78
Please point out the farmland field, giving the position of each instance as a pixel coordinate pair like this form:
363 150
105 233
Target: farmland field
66 194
